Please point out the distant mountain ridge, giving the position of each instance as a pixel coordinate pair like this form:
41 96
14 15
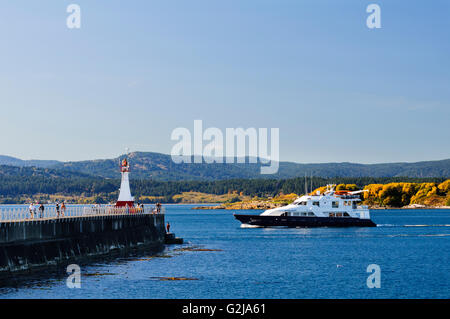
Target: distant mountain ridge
13 161
32 171
157 166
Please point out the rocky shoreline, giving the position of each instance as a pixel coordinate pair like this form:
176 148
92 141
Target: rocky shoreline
263 205
243 206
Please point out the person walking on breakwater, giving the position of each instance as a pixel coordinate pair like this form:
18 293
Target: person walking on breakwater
168 227
158 208
63 208
57 209
41 210
31 208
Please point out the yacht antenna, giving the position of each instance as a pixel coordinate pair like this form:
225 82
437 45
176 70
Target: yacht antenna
311 183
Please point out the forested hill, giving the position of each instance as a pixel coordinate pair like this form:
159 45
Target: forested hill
46 185
161 167
7 171
158 166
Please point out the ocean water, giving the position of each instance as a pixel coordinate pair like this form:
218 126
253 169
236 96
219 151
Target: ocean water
222 260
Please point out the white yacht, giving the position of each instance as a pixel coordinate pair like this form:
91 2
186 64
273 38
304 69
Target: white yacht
330 209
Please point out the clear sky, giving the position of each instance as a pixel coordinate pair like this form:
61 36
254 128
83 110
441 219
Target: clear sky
136 70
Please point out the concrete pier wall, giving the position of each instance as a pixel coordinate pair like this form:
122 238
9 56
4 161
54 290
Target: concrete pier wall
30 245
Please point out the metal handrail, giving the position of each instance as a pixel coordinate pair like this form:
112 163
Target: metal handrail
18 214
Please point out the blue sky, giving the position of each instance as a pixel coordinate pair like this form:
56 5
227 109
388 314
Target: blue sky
136 70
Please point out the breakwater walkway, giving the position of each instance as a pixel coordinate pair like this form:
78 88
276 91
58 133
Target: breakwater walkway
79 233
23 214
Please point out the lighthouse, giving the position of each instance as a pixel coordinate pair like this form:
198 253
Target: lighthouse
125 197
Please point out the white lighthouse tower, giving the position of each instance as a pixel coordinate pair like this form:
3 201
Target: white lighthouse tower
125 197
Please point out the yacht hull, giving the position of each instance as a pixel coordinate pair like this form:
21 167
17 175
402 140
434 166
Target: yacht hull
298 221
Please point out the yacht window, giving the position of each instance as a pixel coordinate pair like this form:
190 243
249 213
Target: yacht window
331 214
311 214
346 215
316 204
334 204
354 205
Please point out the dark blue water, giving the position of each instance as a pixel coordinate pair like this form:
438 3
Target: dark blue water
412 248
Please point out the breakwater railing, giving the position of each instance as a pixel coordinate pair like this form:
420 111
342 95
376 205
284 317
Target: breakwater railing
18 214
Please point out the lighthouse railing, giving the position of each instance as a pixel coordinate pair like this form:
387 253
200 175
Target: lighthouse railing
19 214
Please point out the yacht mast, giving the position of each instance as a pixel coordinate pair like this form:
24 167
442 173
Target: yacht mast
306 185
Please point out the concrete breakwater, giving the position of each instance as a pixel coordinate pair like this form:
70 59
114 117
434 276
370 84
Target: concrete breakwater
28 245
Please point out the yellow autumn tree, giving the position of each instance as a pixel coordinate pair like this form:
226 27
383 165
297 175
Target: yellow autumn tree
285 198
321 190
347 187
424 190
444 187
372 196
391 195
408 191
401 194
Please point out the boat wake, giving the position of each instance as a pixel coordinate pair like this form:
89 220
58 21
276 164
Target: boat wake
249 226
443 225
392 225
419 235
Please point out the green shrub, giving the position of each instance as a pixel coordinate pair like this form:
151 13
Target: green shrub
234 199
